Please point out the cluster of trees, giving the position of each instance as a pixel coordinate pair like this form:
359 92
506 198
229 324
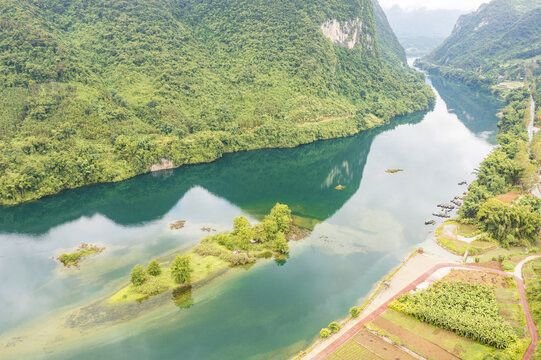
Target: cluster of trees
180 271
328 331
508 166
470 310
240 246
100 93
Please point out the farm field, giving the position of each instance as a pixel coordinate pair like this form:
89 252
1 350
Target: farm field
395 335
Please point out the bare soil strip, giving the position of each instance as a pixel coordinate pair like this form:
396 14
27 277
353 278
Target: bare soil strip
382 348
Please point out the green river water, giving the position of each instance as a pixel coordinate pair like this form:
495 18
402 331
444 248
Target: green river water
272 310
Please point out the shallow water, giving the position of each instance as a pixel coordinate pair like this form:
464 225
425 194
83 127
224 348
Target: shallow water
273 310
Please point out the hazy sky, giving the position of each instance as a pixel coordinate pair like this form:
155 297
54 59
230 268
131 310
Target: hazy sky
434 4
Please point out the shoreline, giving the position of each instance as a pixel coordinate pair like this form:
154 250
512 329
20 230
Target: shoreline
320 349
382 291
320 131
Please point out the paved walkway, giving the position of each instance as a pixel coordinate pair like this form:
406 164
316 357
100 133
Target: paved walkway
518 268
331 346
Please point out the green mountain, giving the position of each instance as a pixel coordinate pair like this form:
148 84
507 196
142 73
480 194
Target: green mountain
102 90
390 48
496 40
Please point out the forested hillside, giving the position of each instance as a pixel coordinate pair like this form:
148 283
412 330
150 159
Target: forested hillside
496 41
390 47
99 91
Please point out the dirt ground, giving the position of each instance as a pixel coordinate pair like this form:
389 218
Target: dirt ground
509 197
381 347
477 277
421 346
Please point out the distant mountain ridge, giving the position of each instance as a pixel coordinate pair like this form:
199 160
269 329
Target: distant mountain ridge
496 40
422 30
102 90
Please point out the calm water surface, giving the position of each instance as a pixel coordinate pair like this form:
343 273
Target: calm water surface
275 309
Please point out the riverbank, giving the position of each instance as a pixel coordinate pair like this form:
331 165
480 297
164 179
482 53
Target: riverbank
415 264
418 272
208 146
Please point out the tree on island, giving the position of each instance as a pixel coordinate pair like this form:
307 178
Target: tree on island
153 268
242 231
280 244
271 228
282 216
137 276
181 269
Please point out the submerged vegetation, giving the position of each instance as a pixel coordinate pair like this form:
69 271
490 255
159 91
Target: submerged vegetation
102 93
242 246
72 259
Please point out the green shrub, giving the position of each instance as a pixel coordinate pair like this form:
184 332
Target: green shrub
237 259
477 259
334 326
325 333
354 311
280 244
209 249
137 275
508 265
181 269
153 268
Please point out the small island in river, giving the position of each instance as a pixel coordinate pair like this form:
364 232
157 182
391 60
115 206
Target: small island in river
241 247
72 259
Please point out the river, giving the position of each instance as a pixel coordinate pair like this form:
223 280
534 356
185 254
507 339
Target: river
274 309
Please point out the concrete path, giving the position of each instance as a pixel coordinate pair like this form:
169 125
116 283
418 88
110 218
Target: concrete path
531 129
518 268
328 347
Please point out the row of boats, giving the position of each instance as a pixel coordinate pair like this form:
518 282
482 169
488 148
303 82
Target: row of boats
446 209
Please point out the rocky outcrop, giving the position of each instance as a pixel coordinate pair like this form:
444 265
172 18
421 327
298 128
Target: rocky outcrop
164 165
347 33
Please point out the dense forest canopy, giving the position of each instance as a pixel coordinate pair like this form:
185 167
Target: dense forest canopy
98 91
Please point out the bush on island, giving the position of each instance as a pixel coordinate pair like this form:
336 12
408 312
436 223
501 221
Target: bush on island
137 276
181 269
153 268
280 244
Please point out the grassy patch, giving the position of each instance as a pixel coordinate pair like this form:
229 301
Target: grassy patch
202 266
73 259
455 246
467 230
532 277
